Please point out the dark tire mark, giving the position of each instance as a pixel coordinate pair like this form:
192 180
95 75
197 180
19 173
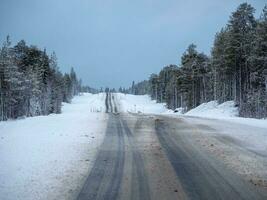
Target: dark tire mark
106 102
105 177
115 105
138 170
111 106
113 189
110 103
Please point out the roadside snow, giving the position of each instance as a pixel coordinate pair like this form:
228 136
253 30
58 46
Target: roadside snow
140 104
48 157
214 110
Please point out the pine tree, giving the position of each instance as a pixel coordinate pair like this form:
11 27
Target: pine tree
256 105
241 29
31 83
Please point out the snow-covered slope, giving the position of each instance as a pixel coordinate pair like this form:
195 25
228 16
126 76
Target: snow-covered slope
46 157
140 103
214 110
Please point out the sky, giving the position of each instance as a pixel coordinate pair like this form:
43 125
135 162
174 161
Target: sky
113 42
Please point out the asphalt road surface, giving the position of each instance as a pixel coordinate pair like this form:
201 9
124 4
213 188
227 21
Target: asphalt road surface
154 157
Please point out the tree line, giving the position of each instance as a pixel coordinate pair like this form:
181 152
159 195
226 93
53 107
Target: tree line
31 83
235 70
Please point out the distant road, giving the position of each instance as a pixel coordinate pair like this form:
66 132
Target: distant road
154 157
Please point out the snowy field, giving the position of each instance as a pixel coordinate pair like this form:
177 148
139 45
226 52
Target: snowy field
48 157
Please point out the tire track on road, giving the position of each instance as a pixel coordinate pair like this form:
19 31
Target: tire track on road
138 170
110 102
107 103
105 177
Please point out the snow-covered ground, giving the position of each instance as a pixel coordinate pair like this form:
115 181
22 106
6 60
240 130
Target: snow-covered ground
48 157
214 110
140 104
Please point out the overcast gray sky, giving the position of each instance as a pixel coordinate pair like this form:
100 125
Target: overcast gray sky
112 42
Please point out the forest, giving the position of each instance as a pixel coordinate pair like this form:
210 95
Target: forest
236 69
31 83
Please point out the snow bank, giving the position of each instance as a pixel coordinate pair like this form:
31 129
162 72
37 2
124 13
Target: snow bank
214 110
48 157
226 111
140 103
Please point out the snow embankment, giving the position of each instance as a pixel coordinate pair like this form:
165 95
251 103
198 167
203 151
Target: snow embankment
214 110
48 157
226 111
140 104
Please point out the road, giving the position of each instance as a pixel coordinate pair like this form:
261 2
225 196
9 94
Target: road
155 157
